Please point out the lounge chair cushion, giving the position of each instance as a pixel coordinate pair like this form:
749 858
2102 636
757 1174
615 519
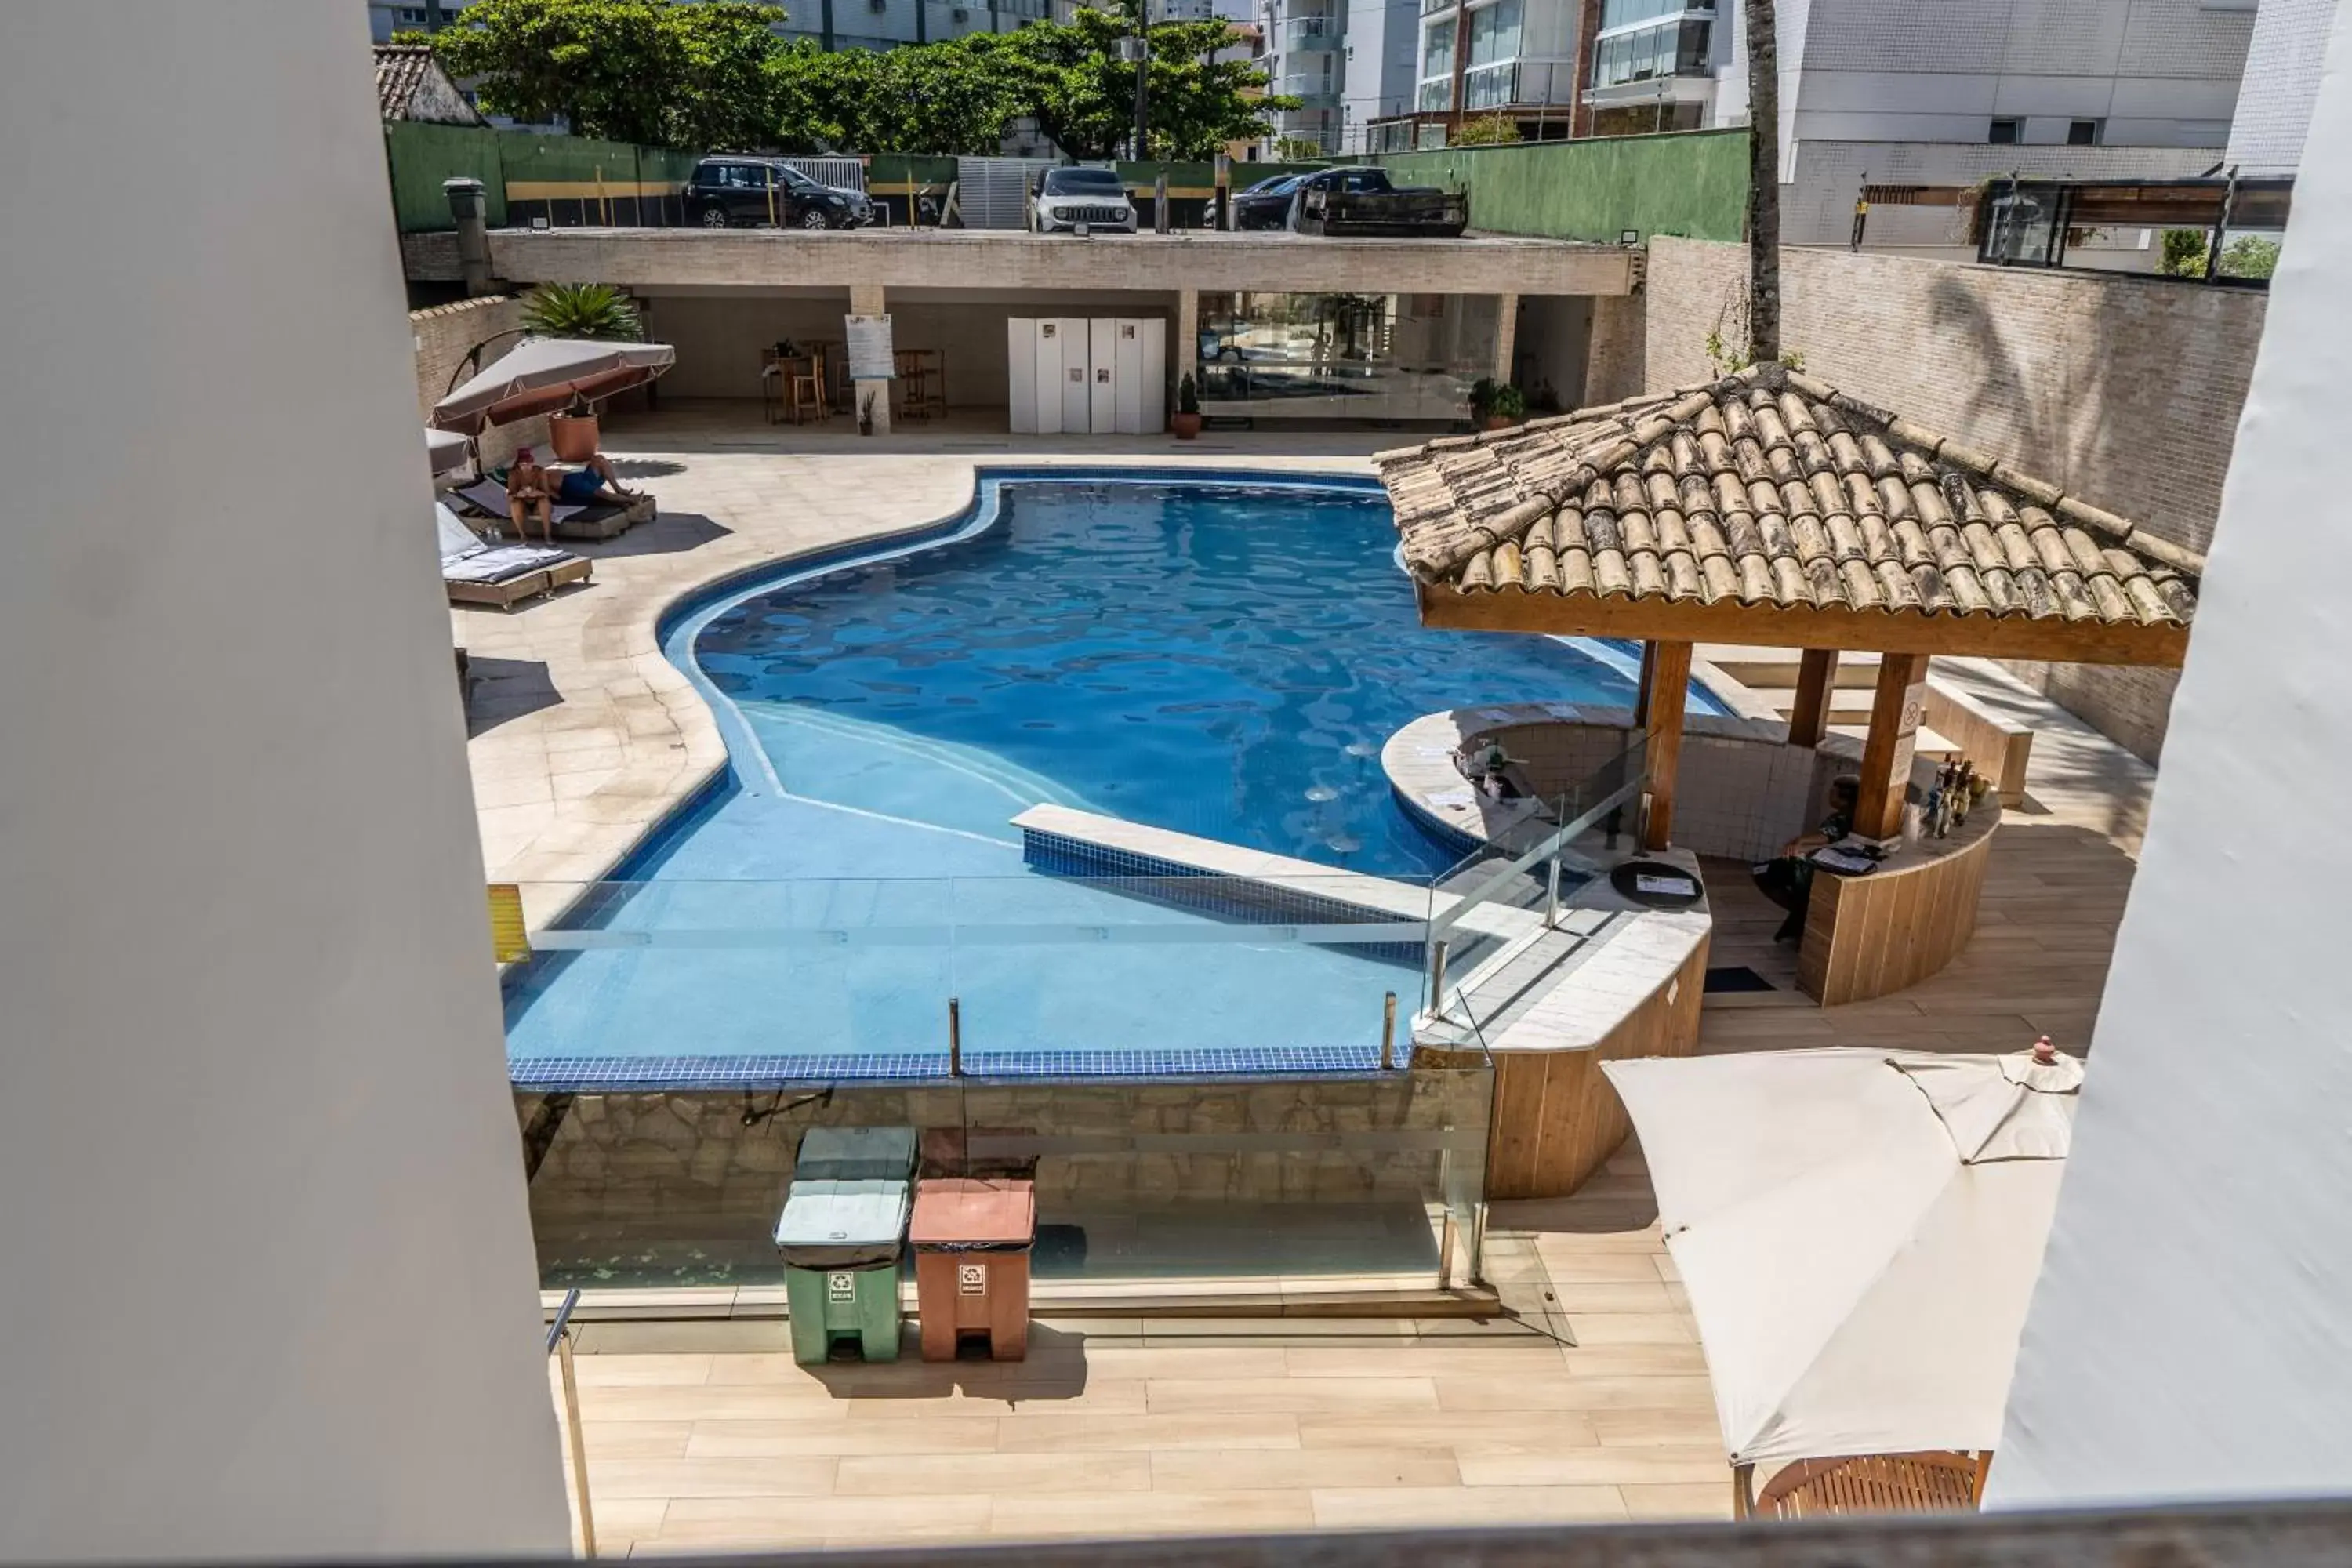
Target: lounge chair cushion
501 564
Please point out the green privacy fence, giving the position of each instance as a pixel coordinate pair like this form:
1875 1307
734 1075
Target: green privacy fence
1689 182
564 179
572 180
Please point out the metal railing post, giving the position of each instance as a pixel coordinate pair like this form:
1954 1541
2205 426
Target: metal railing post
1437 979
955 1037
559 1341
1388 1033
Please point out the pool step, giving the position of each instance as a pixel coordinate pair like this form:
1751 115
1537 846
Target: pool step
1084 843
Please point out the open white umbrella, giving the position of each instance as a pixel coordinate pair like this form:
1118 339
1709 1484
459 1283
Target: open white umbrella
1859 1232
543 376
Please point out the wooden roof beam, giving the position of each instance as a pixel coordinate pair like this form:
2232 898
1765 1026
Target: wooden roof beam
1768 625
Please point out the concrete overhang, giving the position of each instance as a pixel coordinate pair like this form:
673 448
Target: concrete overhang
960 259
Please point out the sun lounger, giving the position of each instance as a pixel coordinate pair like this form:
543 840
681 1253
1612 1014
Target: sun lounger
488 498
476 572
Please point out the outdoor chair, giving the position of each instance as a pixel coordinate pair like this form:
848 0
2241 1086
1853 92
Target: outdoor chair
488 498
1937 1482
475 571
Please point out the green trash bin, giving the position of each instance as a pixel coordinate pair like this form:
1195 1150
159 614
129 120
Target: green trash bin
841 1243
855 1154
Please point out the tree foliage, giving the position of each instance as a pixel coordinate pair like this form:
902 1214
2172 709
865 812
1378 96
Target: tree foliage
1488 130
1195 103
954 96
707 74
652 72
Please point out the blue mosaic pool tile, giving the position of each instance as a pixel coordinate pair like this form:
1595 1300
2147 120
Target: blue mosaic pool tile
588 1075
622 1075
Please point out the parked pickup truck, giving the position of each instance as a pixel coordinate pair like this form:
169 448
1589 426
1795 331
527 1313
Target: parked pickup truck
1361 201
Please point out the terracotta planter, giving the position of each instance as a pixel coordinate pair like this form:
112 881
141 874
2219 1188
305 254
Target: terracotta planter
572 435
1498 422
1186 425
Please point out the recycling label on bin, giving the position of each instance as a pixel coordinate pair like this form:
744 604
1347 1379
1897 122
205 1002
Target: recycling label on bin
971 1278
841 1287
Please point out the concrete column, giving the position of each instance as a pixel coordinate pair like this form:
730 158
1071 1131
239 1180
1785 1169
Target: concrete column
1188 337
1614 364
1507 334
866 300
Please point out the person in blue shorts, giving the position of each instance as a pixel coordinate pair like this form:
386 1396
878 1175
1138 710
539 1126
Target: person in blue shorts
529 486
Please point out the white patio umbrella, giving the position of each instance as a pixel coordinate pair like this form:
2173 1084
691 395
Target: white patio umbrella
1859 1232
446 449
543 376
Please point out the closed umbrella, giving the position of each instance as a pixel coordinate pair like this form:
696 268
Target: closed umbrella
446 449
1859 1233
542 375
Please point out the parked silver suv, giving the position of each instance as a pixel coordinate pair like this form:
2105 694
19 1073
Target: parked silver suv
1068 198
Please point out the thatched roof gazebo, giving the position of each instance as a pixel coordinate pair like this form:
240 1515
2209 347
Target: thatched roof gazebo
1766 508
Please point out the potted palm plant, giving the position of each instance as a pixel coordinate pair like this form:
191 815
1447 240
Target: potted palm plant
1506 406
597 312
1187 420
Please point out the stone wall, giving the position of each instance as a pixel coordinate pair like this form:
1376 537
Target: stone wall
701 1176
2123 390
442 335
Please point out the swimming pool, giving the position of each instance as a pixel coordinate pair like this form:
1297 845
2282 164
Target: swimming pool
1220 656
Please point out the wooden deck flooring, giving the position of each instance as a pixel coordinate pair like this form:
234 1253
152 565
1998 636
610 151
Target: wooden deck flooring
1592 1404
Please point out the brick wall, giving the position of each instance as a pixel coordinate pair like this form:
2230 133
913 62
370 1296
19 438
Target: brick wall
443 335
2123 390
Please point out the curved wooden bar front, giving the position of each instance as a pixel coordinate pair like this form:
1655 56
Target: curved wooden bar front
1867 936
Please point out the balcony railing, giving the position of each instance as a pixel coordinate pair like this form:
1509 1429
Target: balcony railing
1310 33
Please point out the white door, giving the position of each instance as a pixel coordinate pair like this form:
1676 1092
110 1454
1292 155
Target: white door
1047 389
1154 374
1020 374
1130 347
1102 376
1077 406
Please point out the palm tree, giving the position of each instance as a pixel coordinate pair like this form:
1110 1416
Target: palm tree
1763 184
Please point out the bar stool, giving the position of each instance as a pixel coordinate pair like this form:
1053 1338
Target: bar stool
806 390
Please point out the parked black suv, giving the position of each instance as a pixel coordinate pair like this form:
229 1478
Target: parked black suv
732 192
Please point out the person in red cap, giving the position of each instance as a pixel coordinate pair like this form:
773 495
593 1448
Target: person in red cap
529 485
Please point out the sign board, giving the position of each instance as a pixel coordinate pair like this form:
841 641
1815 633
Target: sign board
841 1286
869 348
971 1278
509 939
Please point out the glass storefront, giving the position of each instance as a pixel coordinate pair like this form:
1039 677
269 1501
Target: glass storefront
1408 358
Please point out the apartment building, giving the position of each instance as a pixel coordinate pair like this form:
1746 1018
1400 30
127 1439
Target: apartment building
2281 84
1349 63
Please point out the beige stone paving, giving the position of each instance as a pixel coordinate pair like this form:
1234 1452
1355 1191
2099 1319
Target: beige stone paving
1591 1404
1584 1406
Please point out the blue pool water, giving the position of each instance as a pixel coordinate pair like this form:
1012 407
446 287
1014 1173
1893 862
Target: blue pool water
1224 659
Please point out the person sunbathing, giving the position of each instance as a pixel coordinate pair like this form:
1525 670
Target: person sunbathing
530 486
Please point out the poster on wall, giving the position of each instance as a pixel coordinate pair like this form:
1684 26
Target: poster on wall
869 348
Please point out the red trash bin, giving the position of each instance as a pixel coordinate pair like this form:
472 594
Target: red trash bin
972 1237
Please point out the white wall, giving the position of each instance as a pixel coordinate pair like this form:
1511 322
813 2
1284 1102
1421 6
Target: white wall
266 1278
2191 1331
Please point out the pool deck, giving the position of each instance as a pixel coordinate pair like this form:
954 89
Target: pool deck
1590 1403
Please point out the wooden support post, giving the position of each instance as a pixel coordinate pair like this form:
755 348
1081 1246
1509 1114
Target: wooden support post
1663 717
1642 687
1886 755
1808 720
